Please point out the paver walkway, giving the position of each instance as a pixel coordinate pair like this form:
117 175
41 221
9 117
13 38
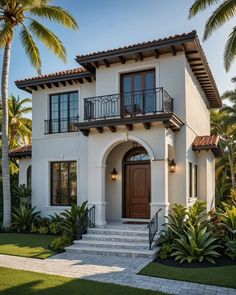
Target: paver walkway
109 269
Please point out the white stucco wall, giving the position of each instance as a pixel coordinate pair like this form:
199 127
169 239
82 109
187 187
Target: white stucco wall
24 164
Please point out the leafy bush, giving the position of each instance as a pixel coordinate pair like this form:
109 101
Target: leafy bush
60 243
165 251
230 246
23 193
23 218
71 219
196 244
188 235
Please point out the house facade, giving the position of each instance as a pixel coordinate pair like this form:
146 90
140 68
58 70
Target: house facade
128 131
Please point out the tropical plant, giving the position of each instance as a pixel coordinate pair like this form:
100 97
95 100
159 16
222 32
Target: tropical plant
230 248
222 125
222 14
18 16
23 193
196 244
23 218
71 219
60 243
165 251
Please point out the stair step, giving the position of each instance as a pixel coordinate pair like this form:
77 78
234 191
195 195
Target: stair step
118 238
123 232
134 227
151 254
112 244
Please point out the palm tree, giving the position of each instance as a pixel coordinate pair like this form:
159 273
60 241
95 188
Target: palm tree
19 124
221 124
18 16
225 11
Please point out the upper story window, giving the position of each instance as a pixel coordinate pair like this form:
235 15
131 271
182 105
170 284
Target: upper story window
138 89
63 112
190 174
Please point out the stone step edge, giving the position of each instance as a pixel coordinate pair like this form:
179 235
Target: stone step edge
122 231
111 243
115 250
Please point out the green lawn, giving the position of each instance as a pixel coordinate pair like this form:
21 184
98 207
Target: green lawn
20 282
220 276
27 245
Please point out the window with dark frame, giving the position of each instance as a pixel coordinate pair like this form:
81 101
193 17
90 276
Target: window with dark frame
63 112
190 180
63 183
195 181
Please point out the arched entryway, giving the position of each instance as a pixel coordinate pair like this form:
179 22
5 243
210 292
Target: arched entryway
136 184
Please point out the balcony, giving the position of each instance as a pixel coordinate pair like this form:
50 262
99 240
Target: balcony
61 125
129 104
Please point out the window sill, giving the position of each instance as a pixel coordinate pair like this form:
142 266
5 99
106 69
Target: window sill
57 207
192 200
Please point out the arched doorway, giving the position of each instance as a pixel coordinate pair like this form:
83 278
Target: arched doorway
136 184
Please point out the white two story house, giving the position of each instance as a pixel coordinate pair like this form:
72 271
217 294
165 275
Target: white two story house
128 131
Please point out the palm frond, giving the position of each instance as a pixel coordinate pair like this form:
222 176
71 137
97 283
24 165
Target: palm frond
31 48
230 50
6 34
219 17
47 37
55 13
200 5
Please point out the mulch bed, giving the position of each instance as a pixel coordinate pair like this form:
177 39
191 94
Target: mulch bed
222 261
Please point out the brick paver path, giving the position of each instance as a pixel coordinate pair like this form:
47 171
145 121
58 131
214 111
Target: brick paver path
109 269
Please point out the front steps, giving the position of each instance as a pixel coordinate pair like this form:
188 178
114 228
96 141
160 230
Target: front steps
125 240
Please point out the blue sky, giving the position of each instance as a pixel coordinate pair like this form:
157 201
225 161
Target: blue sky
107 24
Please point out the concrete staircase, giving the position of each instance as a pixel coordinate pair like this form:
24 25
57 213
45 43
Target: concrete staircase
127 240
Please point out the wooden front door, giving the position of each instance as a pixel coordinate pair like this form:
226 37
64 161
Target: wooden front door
137 190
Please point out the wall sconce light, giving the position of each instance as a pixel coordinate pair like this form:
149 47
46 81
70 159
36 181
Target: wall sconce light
114 174
172 166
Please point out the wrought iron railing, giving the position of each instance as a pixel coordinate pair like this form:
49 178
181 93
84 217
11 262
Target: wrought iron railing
150 101
87 220
153 228
61 125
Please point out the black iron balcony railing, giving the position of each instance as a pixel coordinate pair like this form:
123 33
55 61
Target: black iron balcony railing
150 101
61 125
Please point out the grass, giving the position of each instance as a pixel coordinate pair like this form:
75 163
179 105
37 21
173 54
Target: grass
219 276
26 245
20 282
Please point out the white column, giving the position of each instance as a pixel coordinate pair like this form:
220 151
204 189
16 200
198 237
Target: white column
159 187
206 178
96 193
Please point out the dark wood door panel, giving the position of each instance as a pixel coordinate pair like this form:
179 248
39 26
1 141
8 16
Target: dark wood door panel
137 191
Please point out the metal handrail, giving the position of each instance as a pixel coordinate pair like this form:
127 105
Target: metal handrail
87 220
153 228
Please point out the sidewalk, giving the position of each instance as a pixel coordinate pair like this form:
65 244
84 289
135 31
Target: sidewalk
109 269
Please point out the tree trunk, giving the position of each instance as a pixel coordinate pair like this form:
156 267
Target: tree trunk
231 165
5 158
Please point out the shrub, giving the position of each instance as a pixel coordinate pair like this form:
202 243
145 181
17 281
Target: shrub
23 218
165 251
23 194
230 246
42 230
60 243
71 219
195 244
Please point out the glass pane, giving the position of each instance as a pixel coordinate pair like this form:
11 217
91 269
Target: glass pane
54 115
73 113
73 183
64 112
138 94
64 183
127 88
139 154
56 190
150 93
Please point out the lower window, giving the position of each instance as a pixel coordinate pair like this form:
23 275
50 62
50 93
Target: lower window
63 183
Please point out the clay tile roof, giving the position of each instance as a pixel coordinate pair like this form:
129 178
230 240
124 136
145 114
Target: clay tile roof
21 151
207 142
138 44
56 74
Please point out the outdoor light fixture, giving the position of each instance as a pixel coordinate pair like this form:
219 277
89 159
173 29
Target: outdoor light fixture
114 174
172 166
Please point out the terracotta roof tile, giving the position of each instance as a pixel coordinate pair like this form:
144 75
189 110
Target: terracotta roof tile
139 44
21 151
207 141
56 74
